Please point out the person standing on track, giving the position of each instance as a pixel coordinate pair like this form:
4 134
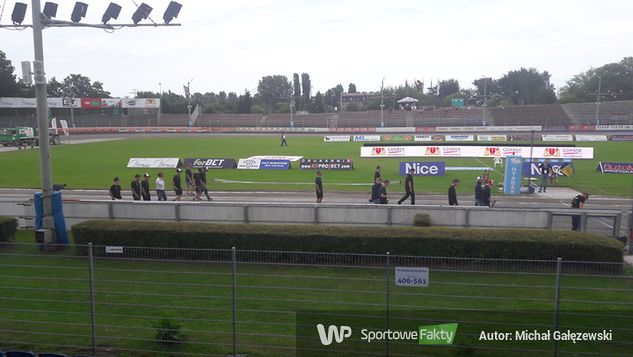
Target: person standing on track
384 198
478 191
375 191
545 169
452 193
160 187
198 186
136 187
283 140
578 202
486 195
189 180
318 186
202 174
145 192
408 188
176 182
115 189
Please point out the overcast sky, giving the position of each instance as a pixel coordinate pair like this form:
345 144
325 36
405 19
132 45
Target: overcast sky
230 45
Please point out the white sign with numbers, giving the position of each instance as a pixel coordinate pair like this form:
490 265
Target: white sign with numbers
416 277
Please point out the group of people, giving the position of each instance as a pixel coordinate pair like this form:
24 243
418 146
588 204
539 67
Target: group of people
483 192
196 183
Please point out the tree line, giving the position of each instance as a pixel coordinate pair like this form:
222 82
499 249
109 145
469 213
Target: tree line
279 94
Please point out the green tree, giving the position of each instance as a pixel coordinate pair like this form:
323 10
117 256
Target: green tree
319 103
8 85
83 86
616 79
273 88
332 96
296 82
306 86
527 86
351 88
448 87
245 103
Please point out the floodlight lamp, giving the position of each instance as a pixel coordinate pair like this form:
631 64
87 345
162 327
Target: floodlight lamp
142 12
79 11
112 12
50 10
172 11
19 11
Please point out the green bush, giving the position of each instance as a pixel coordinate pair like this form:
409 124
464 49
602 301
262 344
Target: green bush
168 333
422 220
8 227
433 241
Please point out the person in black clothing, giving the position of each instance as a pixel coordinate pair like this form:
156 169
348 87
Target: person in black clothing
578 202
408 188
485 195
545 169
115 190
384 198
145 192
377 175
478 191
318 186
136 187
197 182
283 140
176 182
189 181
202 174
375 191
452 193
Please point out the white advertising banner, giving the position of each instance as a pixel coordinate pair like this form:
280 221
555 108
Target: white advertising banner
154 163
563 137
64 125
57 103
276 157
540 152
487 128
591 138
492 138
336 138
143 103
366 138
406 129
249 164
460 138
614 127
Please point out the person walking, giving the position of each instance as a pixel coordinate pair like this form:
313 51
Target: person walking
408 188
145 192
197 186
160 187
545 169
136 187
486 195
202 173
283 140
176 182
478 192
189 180
375 191
578 202
377 175
378 172
384 198
318 186
115 189
452 193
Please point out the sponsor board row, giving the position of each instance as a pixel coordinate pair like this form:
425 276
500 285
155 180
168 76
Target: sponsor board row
263 164
251 163
478 151
86 103
467 138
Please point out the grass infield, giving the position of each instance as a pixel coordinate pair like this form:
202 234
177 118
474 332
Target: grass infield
93 165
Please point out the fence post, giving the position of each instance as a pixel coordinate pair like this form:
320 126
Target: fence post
316 214
559 265
246 213
388 298
234 300
389 221
110 210
550 219
583 222
93 311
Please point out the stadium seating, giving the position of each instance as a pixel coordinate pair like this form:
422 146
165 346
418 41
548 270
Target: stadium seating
451 117
611 113
544 115
369 119
229 120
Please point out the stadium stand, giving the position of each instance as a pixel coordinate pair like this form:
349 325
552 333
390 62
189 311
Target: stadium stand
452 117
228 120
544 115
611 113
369 119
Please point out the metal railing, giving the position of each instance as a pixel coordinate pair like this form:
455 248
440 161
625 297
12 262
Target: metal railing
147 301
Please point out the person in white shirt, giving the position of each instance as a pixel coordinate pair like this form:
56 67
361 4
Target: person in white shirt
160 187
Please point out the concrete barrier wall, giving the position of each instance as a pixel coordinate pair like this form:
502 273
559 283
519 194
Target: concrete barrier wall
358 214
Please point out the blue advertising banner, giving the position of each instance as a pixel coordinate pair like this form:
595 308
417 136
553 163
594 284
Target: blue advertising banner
423 168
615 167
274 165
513 176
561 168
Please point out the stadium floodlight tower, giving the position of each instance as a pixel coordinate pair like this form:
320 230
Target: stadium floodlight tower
44 19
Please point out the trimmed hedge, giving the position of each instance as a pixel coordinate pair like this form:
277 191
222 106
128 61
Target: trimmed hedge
434 241
8 227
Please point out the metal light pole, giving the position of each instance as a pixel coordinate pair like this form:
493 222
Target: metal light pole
382 104
160 102
598 100
46 173
483 119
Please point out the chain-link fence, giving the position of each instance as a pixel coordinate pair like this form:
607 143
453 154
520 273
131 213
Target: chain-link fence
150 301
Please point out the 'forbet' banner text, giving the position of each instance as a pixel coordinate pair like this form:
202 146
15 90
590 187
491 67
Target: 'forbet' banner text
540 152
210 163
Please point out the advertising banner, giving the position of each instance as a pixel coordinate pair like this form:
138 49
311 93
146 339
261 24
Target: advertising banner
111 103
210 163
274 165
560 168
423 168
588 137
65 128
143 103
615 167
621 137
513 175
88 103
524 137
366 138
397 138
277 157
326 164
428 138
336 138
487 128
614 127
492 138
563 137
540 152
460 138
249 164
91 103
154 163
